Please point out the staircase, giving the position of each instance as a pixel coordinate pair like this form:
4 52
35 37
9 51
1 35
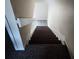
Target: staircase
43 45
43 35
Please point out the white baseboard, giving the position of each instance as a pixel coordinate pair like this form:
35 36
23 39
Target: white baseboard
60 36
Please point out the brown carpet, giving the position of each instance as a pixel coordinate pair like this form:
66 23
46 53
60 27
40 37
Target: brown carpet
37 51
43 35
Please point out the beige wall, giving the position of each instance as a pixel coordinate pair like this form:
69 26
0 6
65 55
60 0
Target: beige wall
61 21
25 34
23 8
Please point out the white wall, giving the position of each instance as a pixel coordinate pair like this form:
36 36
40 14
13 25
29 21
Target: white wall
61 21
40 10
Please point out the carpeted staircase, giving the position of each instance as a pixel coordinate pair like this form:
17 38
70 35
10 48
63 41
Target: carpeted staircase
43 45
43 35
